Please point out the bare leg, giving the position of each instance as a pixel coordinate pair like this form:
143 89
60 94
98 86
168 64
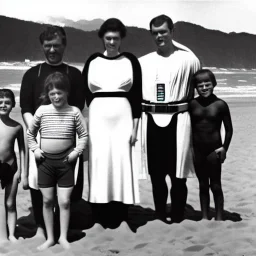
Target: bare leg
48 203
3 230
64 195
10 204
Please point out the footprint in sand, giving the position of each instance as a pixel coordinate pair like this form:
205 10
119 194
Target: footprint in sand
194 248
114 251
242 204
110 252
139 246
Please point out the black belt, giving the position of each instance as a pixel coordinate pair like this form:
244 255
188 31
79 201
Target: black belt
110 94
164 108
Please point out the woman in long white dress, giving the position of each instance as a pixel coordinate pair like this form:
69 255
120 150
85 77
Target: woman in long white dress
113 95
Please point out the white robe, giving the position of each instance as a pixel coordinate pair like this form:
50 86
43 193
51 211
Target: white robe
175 72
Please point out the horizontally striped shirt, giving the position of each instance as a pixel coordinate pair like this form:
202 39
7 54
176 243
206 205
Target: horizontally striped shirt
58 124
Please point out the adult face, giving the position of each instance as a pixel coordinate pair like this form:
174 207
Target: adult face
58 98
54 50
204 86
112 41
162 36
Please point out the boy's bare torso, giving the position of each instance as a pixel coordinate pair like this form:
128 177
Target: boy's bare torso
9 131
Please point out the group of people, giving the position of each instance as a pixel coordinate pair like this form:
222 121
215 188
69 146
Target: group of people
149 100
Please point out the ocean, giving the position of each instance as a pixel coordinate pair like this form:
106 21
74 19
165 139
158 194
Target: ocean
231 83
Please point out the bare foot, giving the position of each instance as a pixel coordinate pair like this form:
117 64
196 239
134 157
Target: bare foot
64 243
39 233
45 245
13 239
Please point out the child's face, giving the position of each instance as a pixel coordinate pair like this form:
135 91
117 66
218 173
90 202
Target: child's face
204 86
5 106
58 97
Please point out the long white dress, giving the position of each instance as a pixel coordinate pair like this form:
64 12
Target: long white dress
113 95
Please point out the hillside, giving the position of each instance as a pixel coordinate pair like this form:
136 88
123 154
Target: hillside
19 41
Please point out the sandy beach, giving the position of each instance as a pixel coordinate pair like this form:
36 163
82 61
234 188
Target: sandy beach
144 235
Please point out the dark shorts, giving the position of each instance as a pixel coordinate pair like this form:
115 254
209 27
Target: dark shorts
7 172
52 170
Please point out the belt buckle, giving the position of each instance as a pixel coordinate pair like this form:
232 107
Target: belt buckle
162 108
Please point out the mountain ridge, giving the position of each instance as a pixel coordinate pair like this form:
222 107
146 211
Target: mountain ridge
214 48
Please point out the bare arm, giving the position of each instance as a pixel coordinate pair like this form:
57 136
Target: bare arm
134 131
21 144
28 119
81 129
33 128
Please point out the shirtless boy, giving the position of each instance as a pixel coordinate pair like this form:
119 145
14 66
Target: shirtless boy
10 130
207 114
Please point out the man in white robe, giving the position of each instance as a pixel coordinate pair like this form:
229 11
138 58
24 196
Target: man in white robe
166 125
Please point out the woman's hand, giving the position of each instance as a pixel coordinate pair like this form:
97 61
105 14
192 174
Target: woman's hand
25 183
72 157
39 154
221 153
133 138
19 176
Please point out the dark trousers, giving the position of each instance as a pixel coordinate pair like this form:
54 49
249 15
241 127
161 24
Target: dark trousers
78 188
37 205
161 147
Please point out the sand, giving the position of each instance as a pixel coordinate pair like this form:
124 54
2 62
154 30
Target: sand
144 235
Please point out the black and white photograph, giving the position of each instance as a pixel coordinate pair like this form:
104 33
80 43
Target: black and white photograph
127 127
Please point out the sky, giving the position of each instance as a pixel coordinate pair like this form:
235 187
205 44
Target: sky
224 15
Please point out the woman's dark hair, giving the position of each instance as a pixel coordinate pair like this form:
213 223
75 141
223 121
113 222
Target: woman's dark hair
56 80
114 25
51 32
7 93
160 20
207 72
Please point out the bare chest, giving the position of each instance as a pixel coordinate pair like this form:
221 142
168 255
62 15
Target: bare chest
7 135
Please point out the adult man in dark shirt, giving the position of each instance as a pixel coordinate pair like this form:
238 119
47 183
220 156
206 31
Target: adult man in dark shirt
53 41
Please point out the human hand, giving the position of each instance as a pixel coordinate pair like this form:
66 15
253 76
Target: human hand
133 138
39 154
221 153
19 176
72 157
25 183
